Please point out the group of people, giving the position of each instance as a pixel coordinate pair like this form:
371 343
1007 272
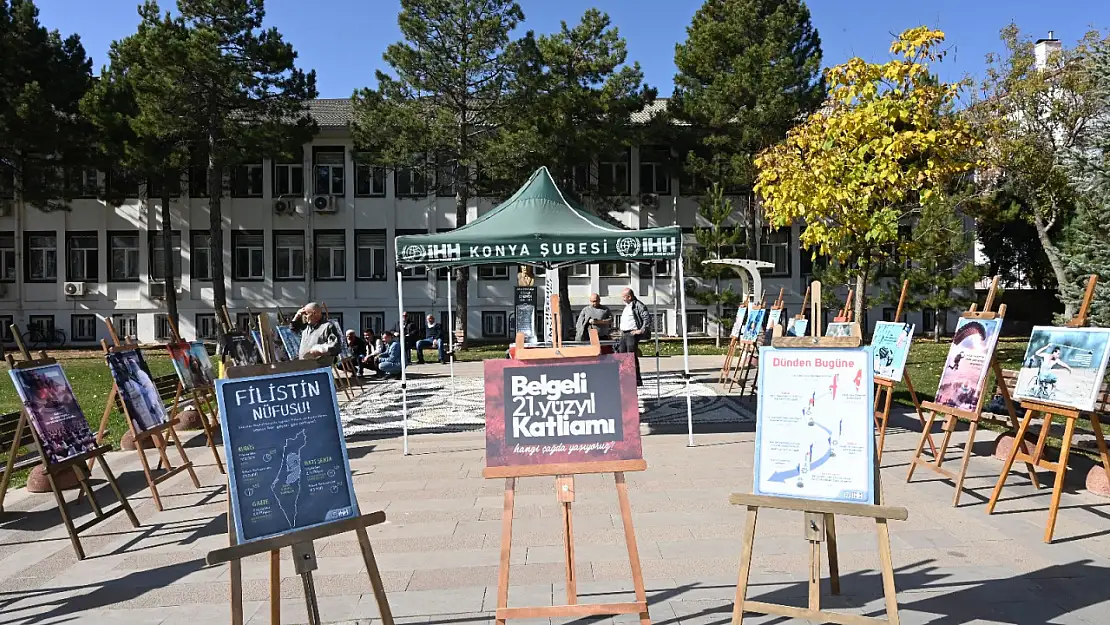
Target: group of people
634 325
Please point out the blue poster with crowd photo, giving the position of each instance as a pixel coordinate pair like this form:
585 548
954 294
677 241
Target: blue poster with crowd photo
286 456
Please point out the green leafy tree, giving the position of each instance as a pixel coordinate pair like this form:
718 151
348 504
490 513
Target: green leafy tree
747 72
135 111
454 72
716 240
240 91
42 79
1009 240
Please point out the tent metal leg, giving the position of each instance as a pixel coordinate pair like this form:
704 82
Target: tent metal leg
451 335
404 365
685 356
654 316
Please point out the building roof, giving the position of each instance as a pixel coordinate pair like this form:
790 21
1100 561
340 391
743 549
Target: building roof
339 112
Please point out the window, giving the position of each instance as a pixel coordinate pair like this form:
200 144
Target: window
243 322
660 326
446 171
82 328
42 256
329 170
658 267
724 323
493 272
123 256
696 322
331 254
122 182
928 321
655 174
612 175
81 256
416 316
289 174
157 257
83 181
246 261
370 255
246 181
127 326
43 323
154 187
200 256
413 273
369 180
775 248
494 324
198 181
372 321
162 327
410 182
206 326
337 317
584 178
288 255
7 257
6 322
441 273
613 269
581 270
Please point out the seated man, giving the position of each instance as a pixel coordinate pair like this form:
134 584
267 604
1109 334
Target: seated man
390 362
357 347
433 339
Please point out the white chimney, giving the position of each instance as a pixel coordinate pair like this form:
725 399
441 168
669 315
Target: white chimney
1045 48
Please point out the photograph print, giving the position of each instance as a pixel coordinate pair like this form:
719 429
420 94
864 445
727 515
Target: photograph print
797 327
192 364
754 324
239 350
969 361
1064 366
53 411
137 390
738 323
291 341
891 346
839 329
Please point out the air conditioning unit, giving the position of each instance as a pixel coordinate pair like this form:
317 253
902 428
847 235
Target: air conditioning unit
283 206
325 203
649 200
74 289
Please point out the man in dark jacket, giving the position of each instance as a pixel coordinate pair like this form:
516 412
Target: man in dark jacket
412 334
635 326
433 338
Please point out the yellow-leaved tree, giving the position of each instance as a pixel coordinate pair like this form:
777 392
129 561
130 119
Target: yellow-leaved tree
887 139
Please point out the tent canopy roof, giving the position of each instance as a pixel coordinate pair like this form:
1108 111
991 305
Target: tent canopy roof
538 225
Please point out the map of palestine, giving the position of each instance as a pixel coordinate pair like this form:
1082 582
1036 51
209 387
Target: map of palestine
287 483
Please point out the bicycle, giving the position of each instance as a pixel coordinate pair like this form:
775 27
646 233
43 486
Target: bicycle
36 338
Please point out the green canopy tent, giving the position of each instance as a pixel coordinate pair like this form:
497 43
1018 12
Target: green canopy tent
538 226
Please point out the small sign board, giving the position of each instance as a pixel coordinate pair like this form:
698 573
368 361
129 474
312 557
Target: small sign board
524 311
969 361
753 327
738 324
291 341
286 456
839 329
1064 366
558 411
797 327
814 436
891 345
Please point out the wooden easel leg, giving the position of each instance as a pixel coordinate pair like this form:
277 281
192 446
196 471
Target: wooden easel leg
885 419
963 465
950 425
111 477
633 550
814 575
275 587
568 555
236 572
506 546
1058 487
204 423
1009 464
917 407
146 471
834 559
375 576
921 445
184 458
61 500
13 453
745 566
83 479
1005 392
890 594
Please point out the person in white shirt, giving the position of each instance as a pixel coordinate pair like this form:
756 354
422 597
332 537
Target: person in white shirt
635 326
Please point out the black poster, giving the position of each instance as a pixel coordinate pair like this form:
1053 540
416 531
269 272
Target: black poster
286 456
578 403
524 311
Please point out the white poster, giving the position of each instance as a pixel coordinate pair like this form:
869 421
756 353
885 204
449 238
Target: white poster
814 436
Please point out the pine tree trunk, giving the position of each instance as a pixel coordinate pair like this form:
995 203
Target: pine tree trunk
861 292
167 251
461 273
1054 261
717 300
936 325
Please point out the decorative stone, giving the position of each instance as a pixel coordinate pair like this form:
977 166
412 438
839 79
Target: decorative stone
37 482
1003 444
1097 482
127 442
189 419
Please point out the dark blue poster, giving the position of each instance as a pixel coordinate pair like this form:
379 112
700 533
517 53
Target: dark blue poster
286 456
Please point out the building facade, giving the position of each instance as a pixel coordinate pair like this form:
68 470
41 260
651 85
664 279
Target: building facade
319 228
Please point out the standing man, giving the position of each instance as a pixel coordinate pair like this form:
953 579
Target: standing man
319 340
412 334
595 315
635 327
433 338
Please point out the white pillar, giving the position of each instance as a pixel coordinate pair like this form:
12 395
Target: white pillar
404 365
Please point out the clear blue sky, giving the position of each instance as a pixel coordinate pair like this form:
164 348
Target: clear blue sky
343 40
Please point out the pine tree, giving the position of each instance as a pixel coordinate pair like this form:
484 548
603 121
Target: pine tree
455 71
42 80
716 240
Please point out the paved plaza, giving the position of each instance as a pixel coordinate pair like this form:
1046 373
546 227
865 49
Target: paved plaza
439 549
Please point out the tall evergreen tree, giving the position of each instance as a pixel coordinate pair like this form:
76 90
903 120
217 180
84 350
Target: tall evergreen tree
42 79
455 71
747 72
716 240
242 92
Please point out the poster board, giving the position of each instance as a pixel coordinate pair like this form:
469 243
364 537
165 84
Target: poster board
597 395
797 327
524 311
753 326
1064 366
53 412
137 390
291 341
286 455
890 343
738 323
239 350
968 363
344 349
814 424
839 329
192 364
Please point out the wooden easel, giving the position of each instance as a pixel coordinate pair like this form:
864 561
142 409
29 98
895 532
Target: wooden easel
885 388
752 362
341 364
733 341
844 315
820 526
953 415
748 350
564 493
155 434
801 313
75 464
1050 412
301 541
203 401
